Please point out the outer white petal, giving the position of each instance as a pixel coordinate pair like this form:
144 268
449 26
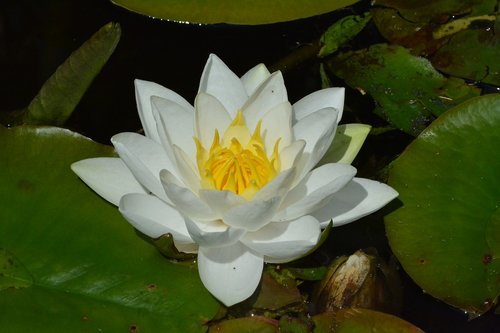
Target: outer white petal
329 97
145 158
253 215
254 77
210 115
317 130
188 203
277 124
348 141
315 190
230 273
269 94
282 242
213 233
220 201
175 126
143 92
153 217
219 81
357 199
107 176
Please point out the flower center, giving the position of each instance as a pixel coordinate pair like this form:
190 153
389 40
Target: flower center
239 162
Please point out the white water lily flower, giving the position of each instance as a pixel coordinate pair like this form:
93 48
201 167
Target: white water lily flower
232 178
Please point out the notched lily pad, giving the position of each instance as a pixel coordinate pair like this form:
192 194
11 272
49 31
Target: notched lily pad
165 244
89 268
13 274
408 92
446 234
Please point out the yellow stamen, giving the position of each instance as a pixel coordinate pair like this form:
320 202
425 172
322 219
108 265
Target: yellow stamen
238 162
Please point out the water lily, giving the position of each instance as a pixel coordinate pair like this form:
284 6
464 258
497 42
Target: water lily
232 178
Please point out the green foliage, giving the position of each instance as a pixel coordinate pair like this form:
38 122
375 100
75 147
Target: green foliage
232 11
341 32
446 234
68 261
356 320
408 91
61 93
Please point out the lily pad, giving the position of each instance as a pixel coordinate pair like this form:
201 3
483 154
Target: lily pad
232 11
357 320
460 56
408 91
446 233
75 264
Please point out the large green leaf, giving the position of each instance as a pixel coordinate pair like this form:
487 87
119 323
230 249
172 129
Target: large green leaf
446 234
61 93
68 261
232 11
407 90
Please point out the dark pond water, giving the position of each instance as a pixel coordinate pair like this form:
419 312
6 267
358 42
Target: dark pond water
37 36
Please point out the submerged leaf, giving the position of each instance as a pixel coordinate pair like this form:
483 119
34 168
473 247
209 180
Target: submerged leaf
61 93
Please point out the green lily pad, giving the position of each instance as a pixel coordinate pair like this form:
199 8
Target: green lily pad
357 320
447 234
408 91
460 56
74 264
255 324
424 27
232 11
437 10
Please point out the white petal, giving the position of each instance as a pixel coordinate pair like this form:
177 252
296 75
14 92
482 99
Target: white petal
153 217
107 176
347 143
315 190
230 273
254 77
219 81
277 124
329 97
176 125
213 233
183 199
187 170
220 201
145 158
291 154
317 130
282 242
143 92
357 199
277 187
210 115
252 215
269 94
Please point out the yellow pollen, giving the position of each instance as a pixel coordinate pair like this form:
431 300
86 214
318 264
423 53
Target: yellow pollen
238 161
